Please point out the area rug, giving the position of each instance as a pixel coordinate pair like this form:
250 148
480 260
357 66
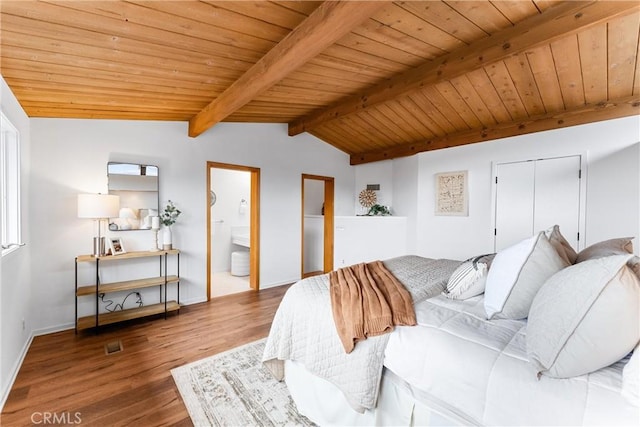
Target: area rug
235 389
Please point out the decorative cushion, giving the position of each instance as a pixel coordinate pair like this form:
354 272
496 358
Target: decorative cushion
468 279
631 378
620 246
516 275
584 318
561 245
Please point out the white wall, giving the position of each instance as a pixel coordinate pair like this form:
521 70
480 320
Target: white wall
405 194
15 276
612 193
375 173
70 157
398 181
368 238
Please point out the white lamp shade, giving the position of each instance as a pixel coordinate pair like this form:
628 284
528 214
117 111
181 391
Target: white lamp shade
97 206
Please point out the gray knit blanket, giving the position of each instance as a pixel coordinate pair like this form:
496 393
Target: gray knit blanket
303 330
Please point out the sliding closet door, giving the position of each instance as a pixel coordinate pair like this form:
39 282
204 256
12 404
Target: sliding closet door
532 196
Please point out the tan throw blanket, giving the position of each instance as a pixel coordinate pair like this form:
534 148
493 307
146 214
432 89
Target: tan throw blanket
367 300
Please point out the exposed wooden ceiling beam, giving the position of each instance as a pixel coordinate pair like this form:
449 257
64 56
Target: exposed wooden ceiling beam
326 25
558 21
587 114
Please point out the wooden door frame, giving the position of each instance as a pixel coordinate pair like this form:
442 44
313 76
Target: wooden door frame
329 194
254 223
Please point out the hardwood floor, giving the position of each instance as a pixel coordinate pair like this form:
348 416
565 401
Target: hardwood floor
71 376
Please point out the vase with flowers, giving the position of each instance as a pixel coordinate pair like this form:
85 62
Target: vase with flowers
168 218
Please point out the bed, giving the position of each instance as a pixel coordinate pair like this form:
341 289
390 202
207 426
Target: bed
455 367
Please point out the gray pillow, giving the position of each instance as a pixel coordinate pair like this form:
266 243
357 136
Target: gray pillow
584 318
561 245
620 246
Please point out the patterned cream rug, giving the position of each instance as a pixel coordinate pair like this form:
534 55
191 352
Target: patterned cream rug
235 389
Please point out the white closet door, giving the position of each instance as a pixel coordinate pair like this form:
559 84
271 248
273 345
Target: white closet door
557 196
514 203
534 195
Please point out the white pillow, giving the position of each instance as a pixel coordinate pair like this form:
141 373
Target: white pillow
631 378
584 318
467 280
516 275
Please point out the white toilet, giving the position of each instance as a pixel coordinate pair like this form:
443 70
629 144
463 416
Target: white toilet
240 263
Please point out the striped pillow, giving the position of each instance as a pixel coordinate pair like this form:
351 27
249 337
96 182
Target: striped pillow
468 279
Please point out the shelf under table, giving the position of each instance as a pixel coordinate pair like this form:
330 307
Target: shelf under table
126 285
87 322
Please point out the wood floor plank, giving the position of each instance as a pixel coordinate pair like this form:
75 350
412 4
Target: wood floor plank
68 373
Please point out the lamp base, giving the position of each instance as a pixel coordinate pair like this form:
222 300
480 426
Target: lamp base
99 246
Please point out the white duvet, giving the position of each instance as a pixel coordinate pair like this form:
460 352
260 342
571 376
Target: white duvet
479 369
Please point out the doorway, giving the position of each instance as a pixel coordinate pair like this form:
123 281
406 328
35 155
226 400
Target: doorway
317 225
233 209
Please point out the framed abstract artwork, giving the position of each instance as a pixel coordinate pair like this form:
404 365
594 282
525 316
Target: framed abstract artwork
452 197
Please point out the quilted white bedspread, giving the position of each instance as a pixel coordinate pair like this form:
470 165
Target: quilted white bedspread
478 370
303 330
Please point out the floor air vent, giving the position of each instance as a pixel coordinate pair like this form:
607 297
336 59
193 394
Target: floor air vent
113 347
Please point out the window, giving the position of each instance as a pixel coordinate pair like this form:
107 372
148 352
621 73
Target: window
9 185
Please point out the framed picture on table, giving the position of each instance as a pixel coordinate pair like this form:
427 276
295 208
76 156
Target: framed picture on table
116 245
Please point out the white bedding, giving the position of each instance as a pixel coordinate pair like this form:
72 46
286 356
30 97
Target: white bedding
453 367
480 369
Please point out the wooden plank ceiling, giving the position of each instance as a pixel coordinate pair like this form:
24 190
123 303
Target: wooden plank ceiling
377 80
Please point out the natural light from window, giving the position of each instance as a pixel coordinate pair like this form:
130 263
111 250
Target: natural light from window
10 185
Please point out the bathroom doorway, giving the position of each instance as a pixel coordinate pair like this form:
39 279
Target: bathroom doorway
232 228
317 224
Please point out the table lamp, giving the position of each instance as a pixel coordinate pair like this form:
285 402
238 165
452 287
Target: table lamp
98 207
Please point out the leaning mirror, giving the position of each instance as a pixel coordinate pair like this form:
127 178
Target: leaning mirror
137 186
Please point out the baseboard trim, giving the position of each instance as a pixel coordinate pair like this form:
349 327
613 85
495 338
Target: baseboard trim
276 284
14 371
192 301
54 329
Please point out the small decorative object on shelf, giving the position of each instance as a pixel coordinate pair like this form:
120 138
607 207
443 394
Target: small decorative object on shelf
168 218
367 198
155 226
379 210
